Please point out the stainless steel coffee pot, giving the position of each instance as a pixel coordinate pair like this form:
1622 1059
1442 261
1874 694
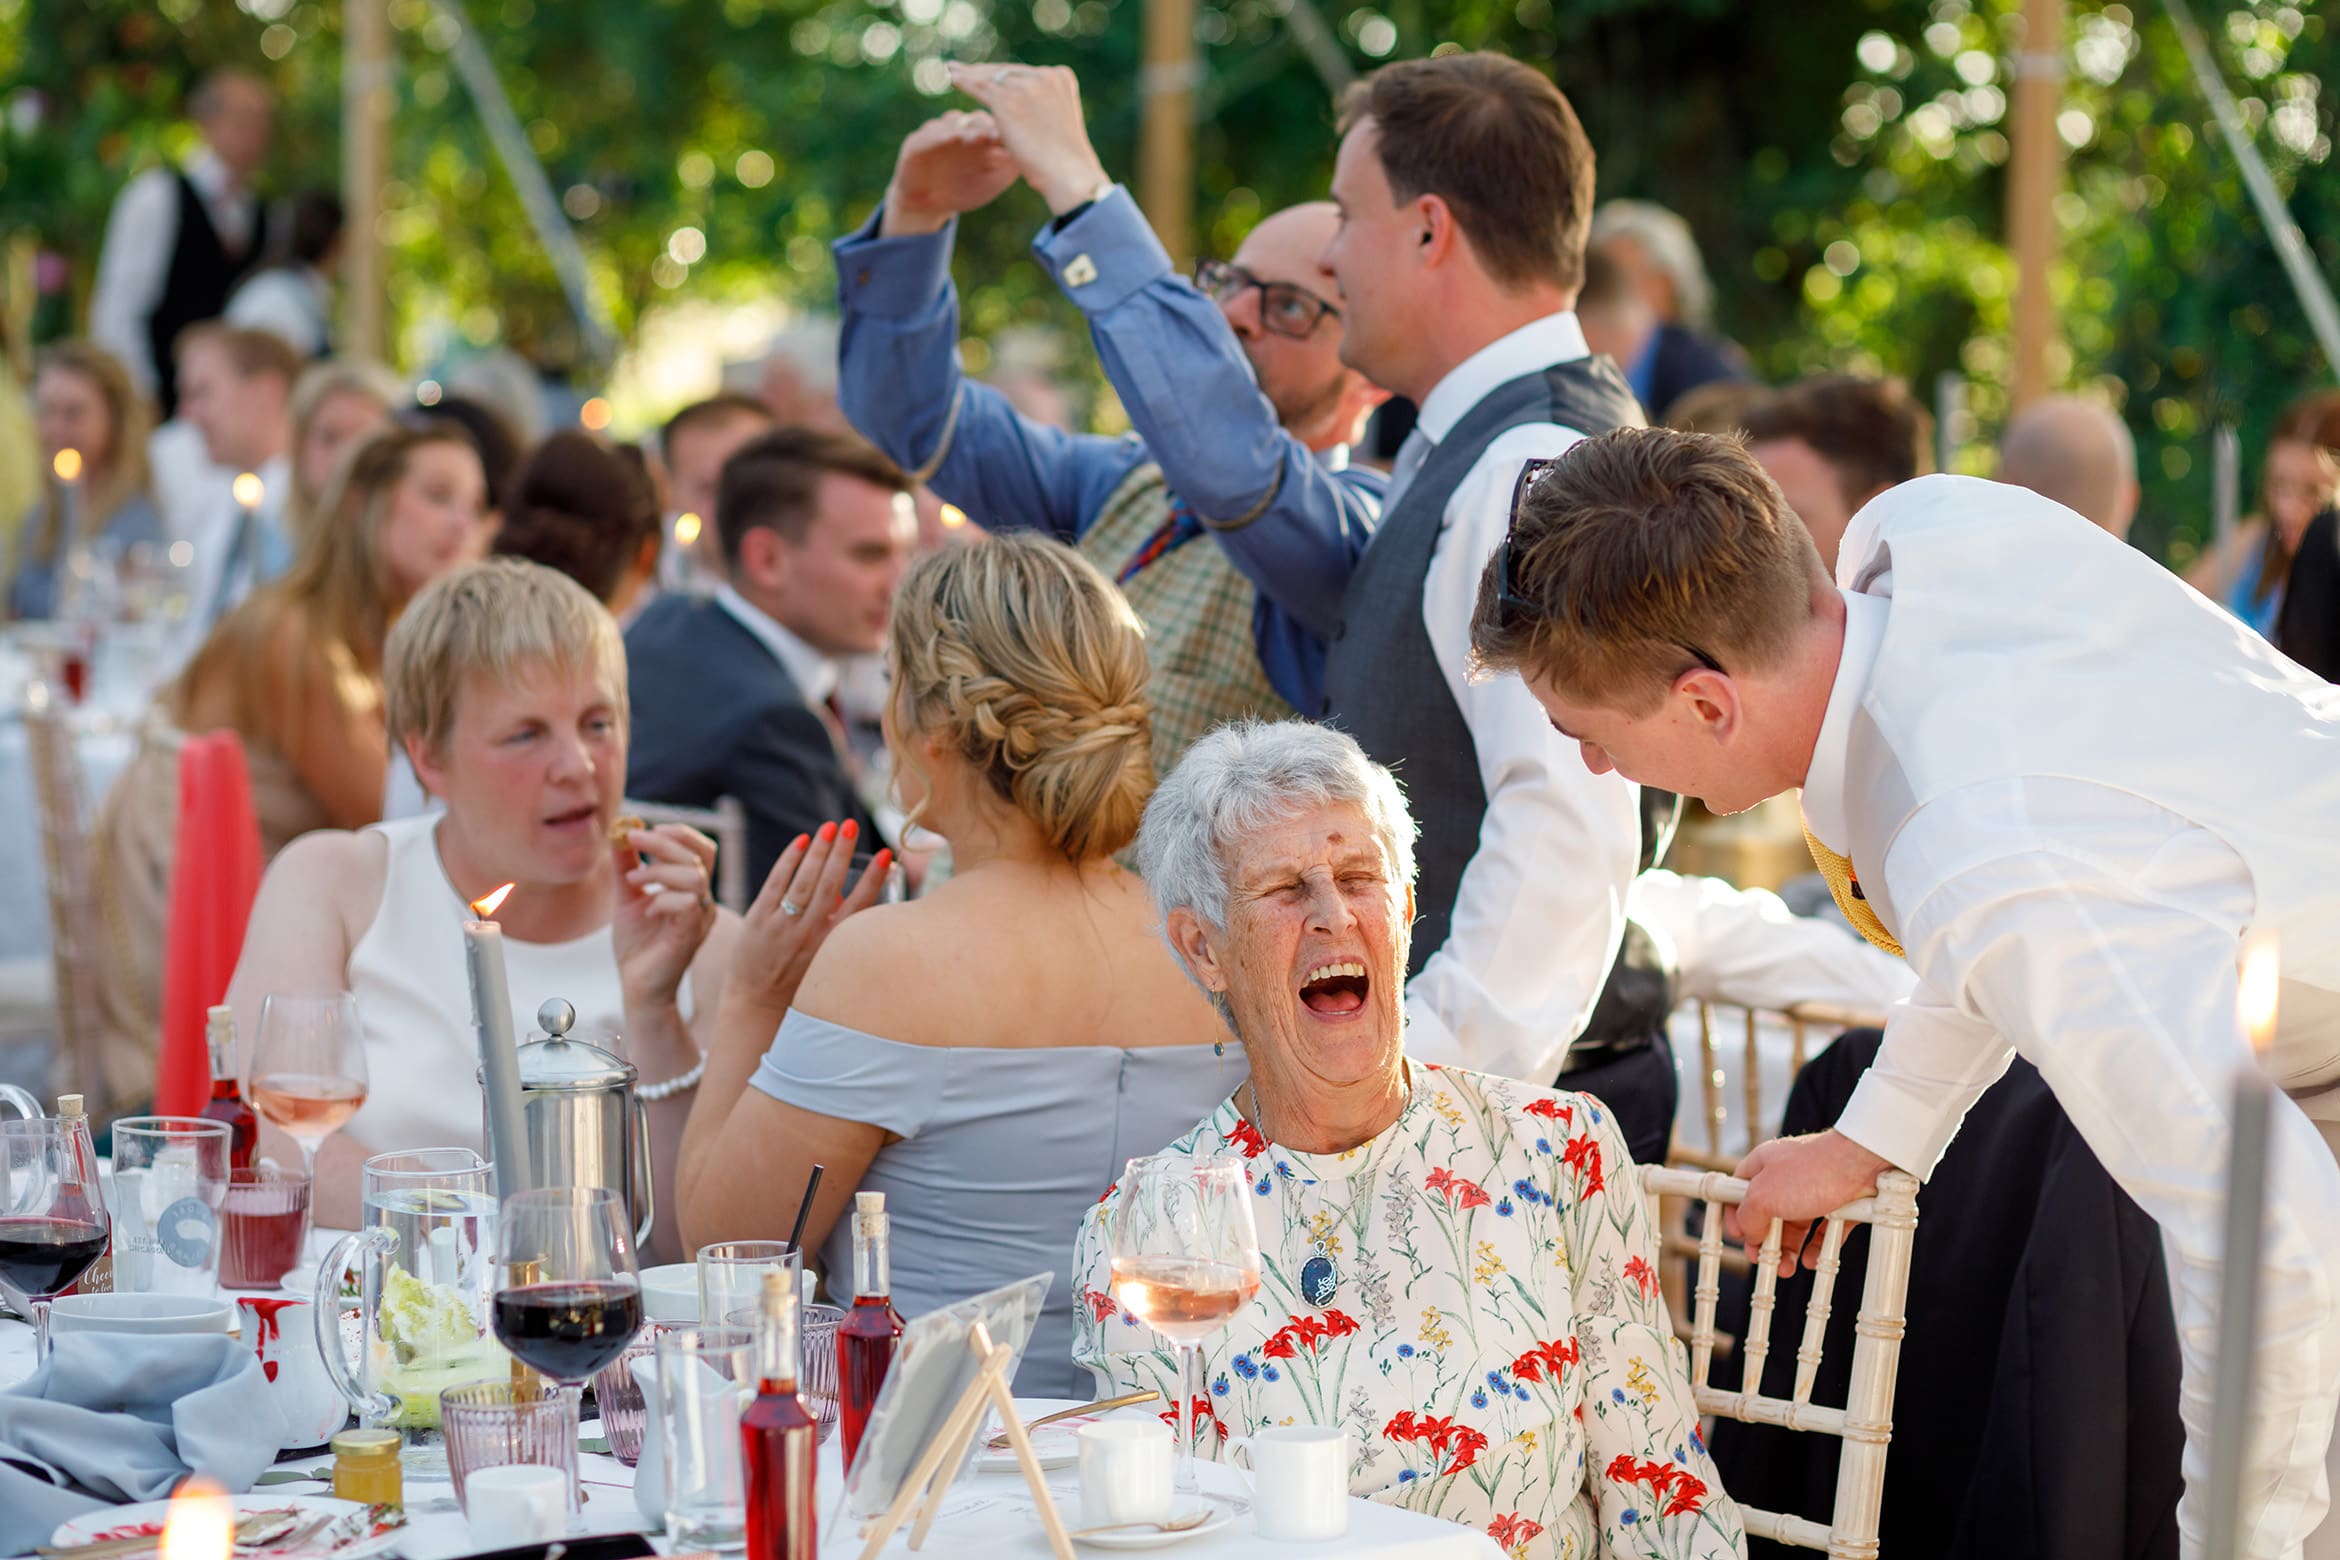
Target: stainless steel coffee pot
585 1127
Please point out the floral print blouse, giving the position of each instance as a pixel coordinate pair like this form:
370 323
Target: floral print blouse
1496 1345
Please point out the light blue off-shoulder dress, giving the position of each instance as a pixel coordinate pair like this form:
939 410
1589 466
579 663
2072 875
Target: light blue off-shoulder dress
1002 1150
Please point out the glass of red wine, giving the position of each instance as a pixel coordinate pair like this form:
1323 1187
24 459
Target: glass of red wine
572 1295
53 1221
1185 1261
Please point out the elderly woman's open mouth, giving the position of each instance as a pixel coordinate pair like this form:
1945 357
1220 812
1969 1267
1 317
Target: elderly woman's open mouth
1336 988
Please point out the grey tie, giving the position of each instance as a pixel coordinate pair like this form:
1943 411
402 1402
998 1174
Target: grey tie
1415 450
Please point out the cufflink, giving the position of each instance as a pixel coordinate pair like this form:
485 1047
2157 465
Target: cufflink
1079 271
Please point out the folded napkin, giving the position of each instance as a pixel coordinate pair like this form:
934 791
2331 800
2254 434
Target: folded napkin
118 1417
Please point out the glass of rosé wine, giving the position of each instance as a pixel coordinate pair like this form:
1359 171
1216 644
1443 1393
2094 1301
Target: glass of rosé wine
309 1067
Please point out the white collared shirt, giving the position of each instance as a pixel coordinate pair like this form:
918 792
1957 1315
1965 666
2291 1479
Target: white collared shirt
141 235
1864 630
1541 905
814 674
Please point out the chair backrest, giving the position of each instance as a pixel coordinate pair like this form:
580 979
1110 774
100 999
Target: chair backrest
78 946
1865 1422
1761 1029
726 824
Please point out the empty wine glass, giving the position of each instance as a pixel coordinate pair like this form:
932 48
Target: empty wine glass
53 1221
309 1067
1185 1260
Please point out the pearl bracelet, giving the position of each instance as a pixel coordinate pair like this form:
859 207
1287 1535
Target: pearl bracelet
654 1092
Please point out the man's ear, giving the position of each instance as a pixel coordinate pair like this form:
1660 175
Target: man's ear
762 556
1440 233
1190 938
1714 701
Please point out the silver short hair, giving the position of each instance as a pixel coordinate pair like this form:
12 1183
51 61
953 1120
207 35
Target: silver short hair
1242 778
1667 240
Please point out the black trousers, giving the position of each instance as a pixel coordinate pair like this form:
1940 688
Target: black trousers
1641 1090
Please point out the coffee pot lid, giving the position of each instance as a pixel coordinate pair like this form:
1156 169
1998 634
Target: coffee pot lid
551 1060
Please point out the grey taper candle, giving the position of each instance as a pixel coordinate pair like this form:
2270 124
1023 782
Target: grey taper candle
499 1056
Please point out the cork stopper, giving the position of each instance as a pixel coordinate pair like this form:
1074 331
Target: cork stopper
869 1202
70 1106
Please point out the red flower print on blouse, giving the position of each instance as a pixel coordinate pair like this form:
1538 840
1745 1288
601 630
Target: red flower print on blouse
1461 1193
1468 1444
1584 1155
1283 1343
1688 1492
1100 1304
1200 1412
1513 1531
1552 1110
1437 1432
1109 1191
1643 1275
1246 1137
1545 1359
1661 1478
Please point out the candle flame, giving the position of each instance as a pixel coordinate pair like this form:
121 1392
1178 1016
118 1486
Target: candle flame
2255 992
67 465
201 1524
686 529
485 906
248 490
594 414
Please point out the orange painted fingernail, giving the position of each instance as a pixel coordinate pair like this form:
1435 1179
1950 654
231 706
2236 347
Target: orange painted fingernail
884 857
828 832
851 829
801 839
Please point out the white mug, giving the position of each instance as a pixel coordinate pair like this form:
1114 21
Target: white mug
1299 1481
520 1503
1125 1471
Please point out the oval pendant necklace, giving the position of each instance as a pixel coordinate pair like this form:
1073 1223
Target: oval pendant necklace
1320 1277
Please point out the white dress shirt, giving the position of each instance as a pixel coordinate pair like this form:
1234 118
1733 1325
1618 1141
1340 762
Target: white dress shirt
814 674
292 303
1541 906
2094 933
211 594
141 236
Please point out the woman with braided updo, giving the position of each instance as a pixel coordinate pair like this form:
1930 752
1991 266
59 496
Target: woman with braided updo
989 1055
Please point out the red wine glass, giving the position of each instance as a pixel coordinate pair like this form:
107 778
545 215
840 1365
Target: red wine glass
572 1295
53 1221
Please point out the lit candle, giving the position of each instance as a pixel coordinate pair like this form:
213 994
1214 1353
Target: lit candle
499 1058
2246 1206
67 466
686 529
201 1524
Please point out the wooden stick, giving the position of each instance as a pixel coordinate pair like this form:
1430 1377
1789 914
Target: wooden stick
963 1427
1058 1540
921 1474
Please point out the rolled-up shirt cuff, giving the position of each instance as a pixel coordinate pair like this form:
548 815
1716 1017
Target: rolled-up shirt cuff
892 278
1897 1124
1105 254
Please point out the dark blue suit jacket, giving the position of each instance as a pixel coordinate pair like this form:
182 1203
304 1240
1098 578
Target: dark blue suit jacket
715 714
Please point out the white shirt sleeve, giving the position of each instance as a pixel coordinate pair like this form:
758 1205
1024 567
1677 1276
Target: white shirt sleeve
280 301
2105 954
1541 906
1745 947
133 267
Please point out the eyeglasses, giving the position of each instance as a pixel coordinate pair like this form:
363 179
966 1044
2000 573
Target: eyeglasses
1510 605
1284 307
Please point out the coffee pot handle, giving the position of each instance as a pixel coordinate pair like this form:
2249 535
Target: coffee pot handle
366 1245
21 1102
645 1193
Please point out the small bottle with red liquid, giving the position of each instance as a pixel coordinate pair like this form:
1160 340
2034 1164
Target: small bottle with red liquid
227 1100
870 1332
98 1277
779 1438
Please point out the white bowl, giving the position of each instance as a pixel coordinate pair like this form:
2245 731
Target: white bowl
149 1314
670 1293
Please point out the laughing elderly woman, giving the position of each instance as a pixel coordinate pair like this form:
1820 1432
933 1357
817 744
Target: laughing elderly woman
1456 1267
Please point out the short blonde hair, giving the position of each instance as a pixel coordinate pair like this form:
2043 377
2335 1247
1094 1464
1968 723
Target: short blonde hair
1027 660
491 619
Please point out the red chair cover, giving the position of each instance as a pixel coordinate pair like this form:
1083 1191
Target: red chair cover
214 878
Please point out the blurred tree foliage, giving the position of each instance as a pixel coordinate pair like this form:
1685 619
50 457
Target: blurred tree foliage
1842 164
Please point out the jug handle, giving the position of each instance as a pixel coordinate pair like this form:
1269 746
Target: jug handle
21 1102
641 1175
326 1313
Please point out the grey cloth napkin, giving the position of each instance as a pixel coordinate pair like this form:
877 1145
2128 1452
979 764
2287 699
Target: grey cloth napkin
117 1417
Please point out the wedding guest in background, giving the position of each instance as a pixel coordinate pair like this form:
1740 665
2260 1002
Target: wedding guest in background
83 401
1230 515
796 382
506 687
693 446
291 293
735 691
1049 1036
1657 261
582 507
2300 476
2078 453
1833 442
334 403
235 389
495 439
179 238
2308 630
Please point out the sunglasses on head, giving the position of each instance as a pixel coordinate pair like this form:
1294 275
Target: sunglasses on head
1510 605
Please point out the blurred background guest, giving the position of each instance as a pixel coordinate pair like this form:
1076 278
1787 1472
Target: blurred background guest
83 401
290 294
235 389
1657 261
179 237
797 379
496 438
1055 1040
2078 453
334 403
1833 442
693 446
586 509
506 687
2308 630
2300 477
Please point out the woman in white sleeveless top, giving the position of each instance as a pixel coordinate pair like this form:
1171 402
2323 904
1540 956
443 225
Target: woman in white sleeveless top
506 686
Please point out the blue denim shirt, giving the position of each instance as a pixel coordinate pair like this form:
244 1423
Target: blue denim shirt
1189 391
